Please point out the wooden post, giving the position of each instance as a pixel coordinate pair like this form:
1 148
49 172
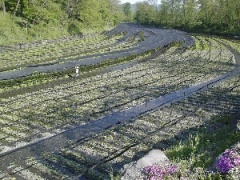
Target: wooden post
77 71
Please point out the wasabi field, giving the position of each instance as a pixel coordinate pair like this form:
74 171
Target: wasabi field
138 88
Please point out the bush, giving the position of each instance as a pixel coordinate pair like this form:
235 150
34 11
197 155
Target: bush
10 31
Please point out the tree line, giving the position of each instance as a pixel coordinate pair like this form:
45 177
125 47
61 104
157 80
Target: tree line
93 13
221 16
44 18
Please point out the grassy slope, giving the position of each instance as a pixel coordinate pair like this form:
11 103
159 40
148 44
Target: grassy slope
12 31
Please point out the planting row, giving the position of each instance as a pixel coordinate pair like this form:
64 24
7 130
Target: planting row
103 155
29 117
116 45
54 52
216 52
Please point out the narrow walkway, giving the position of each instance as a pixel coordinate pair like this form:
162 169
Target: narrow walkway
235 52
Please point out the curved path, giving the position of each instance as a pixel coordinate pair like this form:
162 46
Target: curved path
153 38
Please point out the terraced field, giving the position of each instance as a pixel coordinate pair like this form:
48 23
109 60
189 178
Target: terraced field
159 85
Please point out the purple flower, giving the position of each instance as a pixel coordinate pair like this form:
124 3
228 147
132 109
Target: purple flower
228 160
171 169
224 164
156 172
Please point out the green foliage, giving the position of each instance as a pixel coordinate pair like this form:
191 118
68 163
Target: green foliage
204 15
10 31
201 149
73 28
145 13
27 20
127 11
50 30
90 15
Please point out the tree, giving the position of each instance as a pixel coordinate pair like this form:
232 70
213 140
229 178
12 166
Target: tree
146 13
16 8
95 13
163 17
189 14
2 6
116 11
207 15
127 11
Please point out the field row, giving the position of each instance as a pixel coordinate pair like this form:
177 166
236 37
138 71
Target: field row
101 156
123 41
55 52
47 111
28 117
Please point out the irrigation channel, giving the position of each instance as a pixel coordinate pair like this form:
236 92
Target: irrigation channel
88 127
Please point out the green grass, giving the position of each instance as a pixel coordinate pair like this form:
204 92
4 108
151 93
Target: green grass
200 150
12 30
201 43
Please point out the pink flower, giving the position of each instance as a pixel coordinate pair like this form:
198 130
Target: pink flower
155 172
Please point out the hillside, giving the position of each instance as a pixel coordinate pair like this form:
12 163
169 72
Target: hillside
24 21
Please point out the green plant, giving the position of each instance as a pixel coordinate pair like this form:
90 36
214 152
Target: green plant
199 150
